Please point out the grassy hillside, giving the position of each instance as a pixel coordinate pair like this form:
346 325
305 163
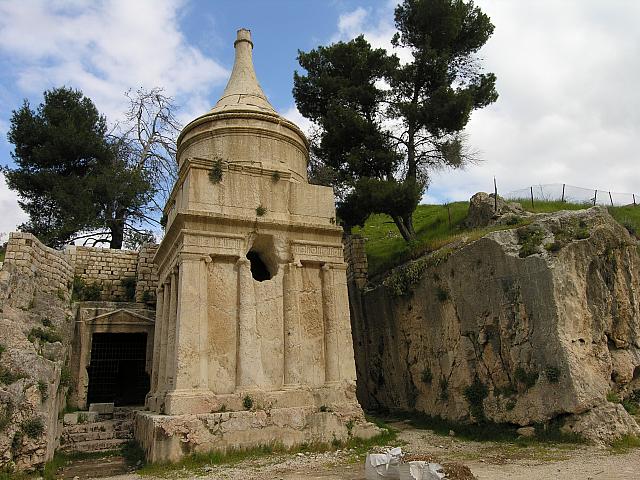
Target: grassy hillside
386 248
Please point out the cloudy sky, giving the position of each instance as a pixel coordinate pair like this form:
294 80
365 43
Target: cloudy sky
568 112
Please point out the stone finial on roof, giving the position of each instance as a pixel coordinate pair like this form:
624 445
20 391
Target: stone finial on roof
243 92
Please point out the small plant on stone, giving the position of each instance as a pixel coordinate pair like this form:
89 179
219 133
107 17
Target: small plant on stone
349 426
553 247
427 376
129 285
475 395
46 336
46 322
324 408
527 378
43 388
247 402
552 374
444 389
223 408
215 174
335 443
275 176
147 297
260 211
613 397
513 220
442 295
583 231
530 238
16 442
92 292
65 378
511 404
83 418
6 412
32 427
7 377
633 408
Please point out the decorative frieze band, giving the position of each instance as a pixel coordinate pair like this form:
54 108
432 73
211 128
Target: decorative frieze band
216 244
316 252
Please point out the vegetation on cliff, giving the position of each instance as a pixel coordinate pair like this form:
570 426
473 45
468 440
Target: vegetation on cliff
439 225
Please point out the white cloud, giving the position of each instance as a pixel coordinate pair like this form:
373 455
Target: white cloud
569 107
292 114
105 48
11 214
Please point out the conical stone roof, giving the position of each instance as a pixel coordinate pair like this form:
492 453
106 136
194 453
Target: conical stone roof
243 92
243 127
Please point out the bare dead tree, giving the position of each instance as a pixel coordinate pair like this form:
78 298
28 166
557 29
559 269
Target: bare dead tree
149 136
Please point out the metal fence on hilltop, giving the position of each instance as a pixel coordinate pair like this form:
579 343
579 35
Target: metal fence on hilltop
561 192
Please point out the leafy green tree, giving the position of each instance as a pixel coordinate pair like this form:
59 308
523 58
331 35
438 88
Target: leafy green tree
383 125
72 178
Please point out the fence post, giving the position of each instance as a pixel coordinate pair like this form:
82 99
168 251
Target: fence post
532 206
495 195
595 195
634 199
563 185
611 199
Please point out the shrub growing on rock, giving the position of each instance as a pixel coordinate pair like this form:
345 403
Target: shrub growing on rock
32 427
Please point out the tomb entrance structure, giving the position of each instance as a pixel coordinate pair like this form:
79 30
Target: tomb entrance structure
253 338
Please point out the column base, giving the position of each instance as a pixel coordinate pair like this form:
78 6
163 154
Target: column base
171 437
194 401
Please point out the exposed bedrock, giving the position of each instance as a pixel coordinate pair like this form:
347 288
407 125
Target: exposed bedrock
521 326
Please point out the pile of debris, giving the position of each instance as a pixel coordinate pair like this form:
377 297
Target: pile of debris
393 464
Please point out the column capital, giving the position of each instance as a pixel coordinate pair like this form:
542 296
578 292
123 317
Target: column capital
243 261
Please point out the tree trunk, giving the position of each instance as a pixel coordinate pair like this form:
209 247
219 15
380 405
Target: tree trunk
117 230
406 233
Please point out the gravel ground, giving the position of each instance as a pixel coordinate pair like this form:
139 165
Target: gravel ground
487 460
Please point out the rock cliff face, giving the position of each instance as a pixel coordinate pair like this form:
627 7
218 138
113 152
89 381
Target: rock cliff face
36 327
526 325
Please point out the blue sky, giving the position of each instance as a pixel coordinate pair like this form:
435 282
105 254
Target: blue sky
569 107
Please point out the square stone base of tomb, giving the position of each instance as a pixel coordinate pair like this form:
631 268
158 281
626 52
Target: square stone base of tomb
168 438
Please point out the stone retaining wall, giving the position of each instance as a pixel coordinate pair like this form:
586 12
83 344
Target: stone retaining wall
356 258
110 269
29 257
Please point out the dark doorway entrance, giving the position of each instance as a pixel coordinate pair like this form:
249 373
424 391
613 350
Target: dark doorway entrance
117 369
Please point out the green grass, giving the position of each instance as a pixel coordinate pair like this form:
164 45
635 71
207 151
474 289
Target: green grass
629 217
386 248
549 206
625 443
195 463
60 460
489 431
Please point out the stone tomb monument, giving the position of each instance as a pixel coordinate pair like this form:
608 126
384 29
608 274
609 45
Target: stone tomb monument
253 338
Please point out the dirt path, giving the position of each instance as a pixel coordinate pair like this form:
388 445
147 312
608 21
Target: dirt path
487 460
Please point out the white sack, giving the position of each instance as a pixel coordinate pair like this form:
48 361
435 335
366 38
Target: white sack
420 471
382 465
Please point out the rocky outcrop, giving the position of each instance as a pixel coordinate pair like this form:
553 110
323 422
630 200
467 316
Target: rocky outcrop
36 327
486 210
527 325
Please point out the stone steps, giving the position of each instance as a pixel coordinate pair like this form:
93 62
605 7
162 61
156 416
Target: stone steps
104 431
104 425
94 445
94 468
